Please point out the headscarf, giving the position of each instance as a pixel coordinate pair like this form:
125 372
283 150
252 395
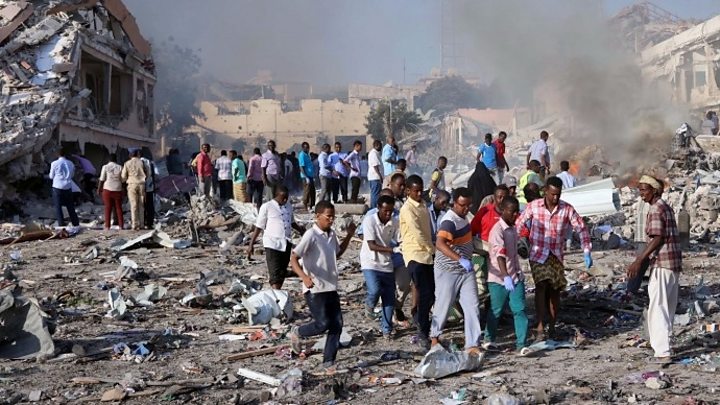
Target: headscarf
650 181
481 185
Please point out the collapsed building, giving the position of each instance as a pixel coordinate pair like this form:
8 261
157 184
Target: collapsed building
74 73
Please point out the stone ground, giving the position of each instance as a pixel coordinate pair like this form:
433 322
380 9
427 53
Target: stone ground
189 362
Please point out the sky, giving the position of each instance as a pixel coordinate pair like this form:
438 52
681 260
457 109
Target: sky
334 42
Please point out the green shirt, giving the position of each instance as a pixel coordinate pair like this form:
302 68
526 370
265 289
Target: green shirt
238 171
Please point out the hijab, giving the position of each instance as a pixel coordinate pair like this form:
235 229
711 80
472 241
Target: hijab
481 185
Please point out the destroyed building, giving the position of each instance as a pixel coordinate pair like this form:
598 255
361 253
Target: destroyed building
75 73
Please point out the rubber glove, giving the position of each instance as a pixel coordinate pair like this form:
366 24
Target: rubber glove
397 250
466 264
307 180
588 260
508 282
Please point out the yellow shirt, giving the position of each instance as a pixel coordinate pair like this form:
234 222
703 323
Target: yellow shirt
415 233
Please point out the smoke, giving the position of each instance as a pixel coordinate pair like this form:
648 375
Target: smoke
565 55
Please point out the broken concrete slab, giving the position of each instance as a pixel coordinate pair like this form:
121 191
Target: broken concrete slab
24 332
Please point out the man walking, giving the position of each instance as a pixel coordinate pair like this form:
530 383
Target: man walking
255 178
133 173
663 251
204 170
224 167
502 165
272 170
549 220
353 161
539 151
61 173
307 174
375 173
417 250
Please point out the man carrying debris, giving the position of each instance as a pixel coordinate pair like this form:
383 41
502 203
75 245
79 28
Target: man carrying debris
319 250
133 173
239 177
375 173
539 151
506 281
532 175
255 178
276 220
663 250
223 165
61 174
307 174
272 170
204 170
547 221
379 234
418 250
454 274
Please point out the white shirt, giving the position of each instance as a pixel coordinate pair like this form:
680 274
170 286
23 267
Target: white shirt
288 168
410 157
61 173
382 235
152 171
538 149
276 222
110 174
224 167
567 179
353 159
318 251
373 161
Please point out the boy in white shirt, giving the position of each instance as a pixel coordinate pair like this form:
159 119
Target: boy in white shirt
319 250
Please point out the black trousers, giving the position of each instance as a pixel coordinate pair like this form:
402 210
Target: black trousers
255 191
327 317
149 209
424 279
355 188
343 188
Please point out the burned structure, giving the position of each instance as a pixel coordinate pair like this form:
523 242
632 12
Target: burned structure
74 73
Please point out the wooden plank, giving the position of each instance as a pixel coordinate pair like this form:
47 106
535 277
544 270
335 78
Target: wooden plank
253 353
255 376
7 30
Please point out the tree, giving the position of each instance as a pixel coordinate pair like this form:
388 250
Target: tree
381 122
450 93
176 91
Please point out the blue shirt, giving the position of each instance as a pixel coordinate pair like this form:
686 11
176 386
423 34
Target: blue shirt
61 173
306 165
336 159
324 164
388 153
489 155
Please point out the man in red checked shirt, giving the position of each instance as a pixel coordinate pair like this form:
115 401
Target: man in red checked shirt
546 222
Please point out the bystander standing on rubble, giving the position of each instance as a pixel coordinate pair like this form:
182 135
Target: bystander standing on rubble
223 165
89 174
239 177
325 173
663 251
400 168
539 151
532 175
256 182
437 178
454 273
150 181
319 250
307 174
272 170
418 250
389 156
276 220
506 281
488 154
411 159
133 173
342 172
502 165
640 237
204 170
61 174
111 189
437 209
568 179
547 221
380 230
353 161
375 173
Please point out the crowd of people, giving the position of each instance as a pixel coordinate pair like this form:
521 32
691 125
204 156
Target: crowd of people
457 251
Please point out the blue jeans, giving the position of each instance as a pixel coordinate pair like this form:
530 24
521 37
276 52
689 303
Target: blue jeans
327 317
64 198
381 285
498 297
375 188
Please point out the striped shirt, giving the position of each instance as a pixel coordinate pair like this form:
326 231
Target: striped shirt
456 231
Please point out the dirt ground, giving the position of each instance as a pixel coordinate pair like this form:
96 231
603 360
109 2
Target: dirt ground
189 363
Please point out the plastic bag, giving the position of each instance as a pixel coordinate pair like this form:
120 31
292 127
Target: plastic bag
439 363
268 304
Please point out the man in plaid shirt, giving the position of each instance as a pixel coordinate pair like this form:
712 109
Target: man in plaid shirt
546 222
663 251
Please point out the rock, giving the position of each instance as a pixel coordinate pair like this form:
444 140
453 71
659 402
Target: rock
656 383
35 396
115 394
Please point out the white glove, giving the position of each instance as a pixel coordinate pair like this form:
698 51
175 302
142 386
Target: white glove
396 249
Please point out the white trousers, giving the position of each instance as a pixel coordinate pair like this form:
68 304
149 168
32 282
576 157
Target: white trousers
663 292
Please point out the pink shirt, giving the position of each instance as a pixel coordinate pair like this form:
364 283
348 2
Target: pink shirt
255 168
503 243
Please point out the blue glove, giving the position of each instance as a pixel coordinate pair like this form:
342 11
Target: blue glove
466 264
588 260
508 282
